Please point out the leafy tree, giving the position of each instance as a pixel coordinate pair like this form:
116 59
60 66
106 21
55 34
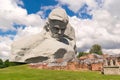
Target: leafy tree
6 63
1 64
82 54
96 49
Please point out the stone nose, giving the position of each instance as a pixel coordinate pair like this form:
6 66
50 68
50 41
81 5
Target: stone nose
59 32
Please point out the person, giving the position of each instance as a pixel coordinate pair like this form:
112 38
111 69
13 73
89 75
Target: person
57 40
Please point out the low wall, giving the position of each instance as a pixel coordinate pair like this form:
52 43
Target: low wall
96 66
115 70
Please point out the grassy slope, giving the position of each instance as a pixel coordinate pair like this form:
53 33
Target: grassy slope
25 73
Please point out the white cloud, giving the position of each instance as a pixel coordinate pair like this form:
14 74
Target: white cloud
73 5
108 5
111 51
103 29
11 13
113 7
76 5
28 31
5 47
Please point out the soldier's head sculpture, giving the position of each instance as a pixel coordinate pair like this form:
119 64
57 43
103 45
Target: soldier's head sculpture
57 21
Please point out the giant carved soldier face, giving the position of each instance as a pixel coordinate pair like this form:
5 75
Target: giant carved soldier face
57 28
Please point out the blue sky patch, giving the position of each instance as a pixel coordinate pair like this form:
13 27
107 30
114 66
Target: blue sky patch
5 33
16 26
84 12
33 6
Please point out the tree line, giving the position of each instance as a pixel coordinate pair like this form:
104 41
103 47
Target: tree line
4 64
7 63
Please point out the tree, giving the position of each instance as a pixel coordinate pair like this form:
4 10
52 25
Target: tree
96 48
82 54
1 64
6 63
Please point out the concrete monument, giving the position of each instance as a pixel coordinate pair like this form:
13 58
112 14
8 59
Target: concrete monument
56 41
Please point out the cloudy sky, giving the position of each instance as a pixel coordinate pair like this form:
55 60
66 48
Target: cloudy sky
94 21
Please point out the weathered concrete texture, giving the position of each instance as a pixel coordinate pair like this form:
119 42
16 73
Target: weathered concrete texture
48 50
56 41
112 70
111 67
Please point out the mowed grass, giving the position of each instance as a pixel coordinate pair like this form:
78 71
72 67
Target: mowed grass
24 72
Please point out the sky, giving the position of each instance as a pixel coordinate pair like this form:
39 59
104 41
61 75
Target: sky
94 21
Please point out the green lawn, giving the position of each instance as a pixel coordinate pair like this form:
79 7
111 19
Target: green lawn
25 73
